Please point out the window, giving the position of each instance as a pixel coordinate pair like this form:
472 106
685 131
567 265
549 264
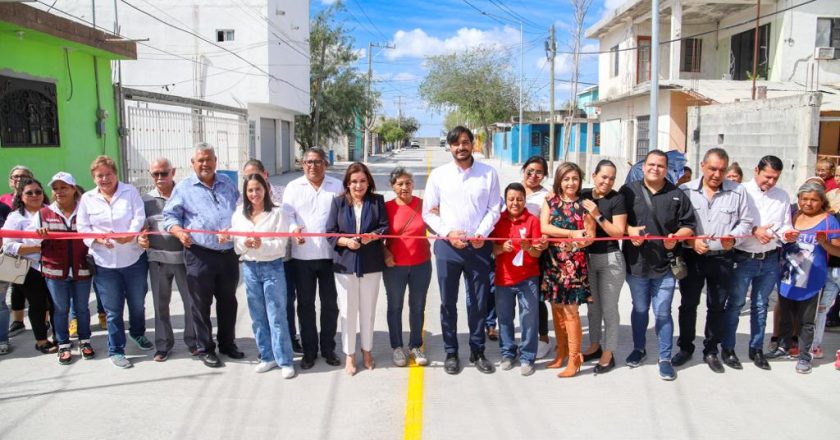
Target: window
741 53
828 33
643 60
224 35
28 113
691 49
642 137
536 138
614 60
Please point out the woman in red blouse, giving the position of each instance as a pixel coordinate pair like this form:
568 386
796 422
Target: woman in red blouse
408 264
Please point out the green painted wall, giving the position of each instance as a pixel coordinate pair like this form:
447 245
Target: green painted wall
39 56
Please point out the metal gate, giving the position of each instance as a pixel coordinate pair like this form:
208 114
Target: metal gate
171 132
642 137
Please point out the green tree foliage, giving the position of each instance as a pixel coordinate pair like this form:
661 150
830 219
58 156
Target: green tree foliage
338 91
477 83
391 131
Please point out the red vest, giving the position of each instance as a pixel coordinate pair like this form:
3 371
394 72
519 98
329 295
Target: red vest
57 256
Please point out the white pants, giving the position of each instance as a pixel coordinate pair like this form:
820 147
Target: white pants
357 308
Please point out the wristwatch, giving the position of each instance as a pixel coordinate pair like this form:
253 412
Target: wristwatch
600 219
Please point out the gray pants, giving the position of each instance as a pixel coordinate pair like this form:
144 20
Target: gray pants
161 275
606 278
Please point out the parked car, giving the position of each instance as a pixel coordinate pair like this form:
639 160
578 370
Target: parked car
414 144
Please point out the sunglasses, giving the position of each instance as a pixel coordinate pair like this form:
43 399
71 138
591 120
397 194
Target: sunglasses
161 173
37 192
19 176
535 172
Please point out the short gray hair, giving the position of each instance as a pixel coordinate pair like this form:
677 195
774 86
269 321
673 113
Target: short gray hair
20 167
316 150
397 173
161 160
814 186
204 146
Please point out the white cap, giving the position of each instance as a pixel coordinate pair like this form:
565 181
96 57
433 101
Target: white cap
64 177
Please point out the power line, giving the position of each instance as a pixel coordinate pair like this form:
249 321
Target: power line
214 44
504 8
369 20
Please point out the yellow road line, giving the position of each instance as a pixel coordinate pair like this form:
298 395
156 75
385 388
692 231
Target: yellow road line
414 404
414 397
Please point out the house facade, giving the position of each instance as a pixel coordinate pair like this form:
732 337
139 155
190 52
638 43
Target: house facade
248 54
57 104
706 58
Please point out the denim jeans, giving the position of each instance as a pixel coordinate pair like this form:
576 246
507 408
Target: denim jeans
64 293
527 293
828 295
116 288
763 276
265 287
658 292
99 308
4 312
417 278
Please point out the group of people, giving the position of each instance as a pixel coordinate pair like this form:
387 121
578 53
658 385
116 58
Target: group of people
559 247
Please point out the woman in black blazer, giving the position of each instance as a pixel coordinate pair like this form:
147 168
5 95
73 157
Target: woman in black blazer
359 260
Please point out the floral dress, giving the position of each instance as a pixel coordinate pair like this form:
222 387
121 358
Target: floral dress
565 277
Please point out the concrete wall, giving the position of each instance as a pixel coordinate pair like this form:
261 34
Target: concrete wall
784 127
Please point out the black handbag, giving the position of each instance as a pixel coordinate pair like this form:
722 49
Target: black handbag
678 266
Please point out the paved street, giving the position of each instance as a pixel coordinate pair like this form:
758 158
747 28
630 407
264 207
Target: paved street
182 399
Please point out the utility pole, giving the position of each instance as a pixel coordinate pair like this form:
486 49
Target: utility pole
551 53
368 124
755 46
653 127
521 76
399 116
316 124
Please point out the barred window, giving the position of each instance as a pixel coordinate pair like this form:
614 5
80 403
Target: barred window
28 113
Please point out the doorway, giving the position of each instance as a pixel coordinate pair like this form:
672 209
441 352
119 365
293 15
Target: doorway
741 53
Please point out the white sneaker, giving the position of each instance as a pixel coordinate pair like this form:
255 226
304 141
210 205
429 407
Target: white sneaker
288 372
419 357
4 348
262 367
120 361
399 357
543 348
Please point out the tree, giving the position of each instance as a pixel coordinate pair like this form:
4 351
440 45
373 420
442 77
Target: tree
338 91
581 8
477 83
393 131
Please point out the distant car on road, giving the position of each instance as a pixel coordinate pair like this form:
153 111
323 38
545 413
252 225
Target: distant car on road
414 144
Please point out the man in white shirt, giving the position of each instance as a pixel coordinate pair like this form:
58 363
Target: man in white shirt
757 258
462 202
307 202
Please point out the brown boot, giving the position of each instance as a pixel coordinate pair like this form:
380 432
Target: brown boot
575 334
561 339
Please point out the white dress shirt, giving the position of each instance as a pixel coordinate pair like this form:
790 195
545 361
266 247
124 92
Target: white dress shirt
772 206
305 206
17 222
125 213
271 248
468 200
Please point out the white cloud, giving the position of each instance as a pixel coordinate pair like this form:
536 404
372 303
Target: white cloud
612 4
418 44
564 62
327 2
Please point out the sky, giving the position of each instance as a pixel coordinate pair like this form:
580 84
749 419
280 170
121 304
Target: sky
421 28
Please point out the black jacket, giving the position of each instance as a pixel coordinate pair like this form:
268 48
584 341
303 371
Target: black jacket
369 258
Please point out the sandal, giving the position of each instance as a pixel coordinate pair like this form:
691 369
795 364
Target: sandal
46 348
64 355
87 350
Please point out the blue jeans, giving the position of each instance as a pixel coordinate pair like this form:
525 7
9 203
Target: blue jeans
762 275
527 293
417 278
658 292
64 293
99 308
4 312
265 287
116 288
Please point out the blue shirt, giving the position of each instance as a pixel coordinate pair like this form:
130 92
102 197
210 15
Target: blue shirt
805 263
194 205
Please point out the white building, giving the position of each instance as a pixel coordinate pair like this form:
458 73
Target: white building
709 62
255 57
